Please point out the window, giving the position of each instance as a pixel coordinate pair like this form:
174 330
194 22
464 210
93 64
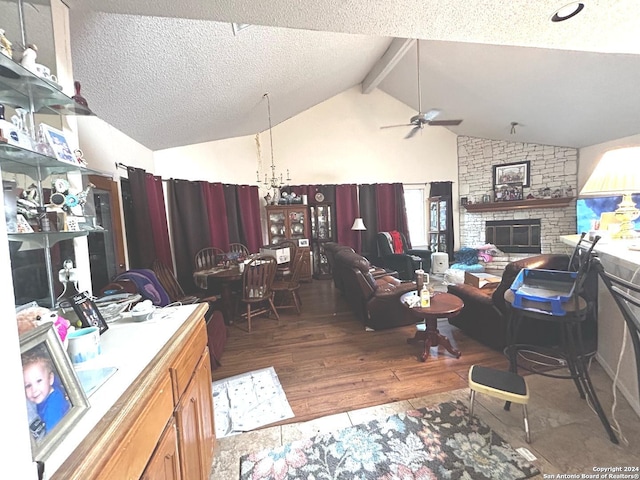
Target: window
416 204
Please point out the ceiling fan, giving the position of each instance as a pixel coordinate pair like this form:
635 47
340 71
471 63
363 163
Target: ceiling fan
423 118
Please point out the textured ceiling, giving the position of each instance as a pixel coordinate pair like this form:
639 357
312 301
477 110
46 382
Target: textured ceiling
170 74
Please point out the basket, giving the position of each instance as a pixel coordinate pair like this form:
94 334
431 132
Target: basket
552 287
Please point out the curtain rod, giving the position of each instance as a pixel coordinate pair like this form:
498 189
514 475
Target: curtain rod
427 183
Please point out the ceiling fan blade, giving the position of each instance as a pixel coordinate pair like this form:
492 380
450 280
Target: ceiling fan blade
413 131
402 125
445 122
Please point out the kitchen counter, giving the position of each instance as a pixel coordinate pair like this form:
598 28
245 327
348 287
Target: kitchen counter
130 347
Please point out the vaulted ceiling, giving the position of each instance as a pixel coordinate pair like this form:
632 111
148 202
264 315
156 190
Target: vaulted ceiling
172 73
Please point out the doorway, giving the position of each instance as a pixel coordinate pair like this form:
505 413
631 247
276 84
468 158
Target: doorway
106 249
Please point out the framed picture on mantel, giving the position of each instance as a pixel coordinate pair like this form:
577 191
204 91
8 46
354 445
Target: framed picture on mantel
517 172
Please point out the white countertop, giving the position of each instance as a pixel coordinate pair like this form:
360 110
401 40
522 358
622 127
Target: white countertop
616 251
128 346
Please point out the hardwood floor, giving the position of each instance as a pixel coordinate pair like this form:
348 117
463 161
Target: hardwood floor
327 363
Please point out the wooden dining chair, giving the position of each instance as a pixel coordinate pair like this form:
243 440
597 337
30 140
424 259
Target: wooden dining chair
257 282
286 290
168 280
239 249
209 257
285 270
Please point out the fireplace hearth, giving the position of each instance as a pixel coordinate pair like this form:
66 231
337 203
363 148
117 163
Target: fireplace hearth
514 236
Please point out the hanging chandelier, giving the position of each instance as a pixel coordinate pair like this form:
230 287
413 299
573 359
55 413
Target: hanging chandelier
275 181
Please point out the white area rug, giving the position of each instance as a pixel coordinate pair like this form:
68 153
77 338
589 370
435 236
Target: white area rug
249 401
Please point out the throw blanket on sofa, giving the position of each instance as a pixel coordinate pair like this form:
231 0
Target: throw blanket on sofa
396 241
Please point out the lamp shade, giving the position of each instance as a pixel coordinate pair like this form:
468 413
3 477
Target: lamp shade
617 173
358 224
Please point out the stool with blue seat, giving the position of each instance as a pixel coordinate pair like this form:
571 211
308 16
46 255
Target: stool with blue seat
500 384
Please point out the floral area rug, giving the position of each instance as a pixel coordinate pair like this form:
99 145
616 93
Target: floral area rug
439 442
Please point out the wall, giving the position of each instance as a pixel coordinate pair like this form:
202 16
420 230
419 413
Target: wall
554 167
337 141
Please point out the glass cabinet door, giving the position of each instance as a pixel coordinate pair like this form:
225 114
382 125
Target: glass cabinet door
276 226
324 223
297 219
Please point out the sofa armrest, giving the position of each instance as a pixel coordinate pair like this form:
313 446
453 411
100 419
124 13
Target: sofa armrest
469 292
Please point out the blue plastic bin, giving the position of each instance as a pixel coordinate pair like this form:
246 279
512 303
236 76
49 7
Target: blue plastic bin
551 287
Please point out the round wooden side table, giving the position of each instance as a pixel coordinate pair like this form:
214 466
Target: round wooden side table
443 305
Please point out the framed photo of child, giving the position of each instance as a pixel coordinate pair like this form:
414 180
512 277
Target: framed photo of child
54 396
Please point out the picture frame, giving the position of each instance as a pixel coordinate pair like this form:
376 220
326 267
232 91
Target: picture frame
303 242
58 143
508 192
51 417
86 310
508 173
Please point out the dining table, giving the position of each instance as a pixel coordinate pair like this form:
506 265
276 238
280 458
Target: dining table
227 279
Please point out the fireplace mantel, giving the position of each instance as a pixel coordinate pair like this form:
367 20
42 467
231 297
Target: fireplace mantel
520 204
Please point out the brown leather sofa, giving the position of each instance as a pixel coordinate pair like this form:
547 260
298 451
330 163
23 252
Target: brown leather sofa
376 300
484 316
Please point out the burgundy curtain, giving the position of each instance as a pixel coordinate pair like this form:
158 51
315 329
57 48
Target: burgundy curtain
231 203
392 214
346 211
249 205
189 227
369 214
213 194
141 246
158 218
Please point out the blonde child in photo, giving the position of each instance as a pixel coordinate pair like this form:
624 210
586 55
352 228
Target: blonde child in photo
43 388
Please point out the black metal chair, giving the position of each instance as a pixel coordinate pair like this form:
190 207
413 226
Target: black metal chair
569 318
627 297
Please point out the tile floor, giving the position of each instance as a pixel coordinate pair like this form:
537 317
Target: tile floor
567 437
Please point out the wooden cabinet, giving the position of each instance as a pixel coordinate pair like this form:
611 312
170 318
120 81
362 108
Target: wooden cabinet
194 417
287 222
321 233
165 464
161 427
291 222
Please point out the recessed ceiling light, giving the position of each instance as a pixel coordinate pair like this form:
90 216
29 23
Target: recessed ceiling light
567 12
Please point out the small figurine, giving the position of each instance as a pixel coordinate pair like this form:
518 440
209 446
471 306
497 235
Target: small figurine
77 97
5 45
29 58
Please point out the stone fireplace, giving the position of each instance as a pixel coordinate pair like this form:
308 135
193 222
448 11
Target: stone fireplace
550 166
514 236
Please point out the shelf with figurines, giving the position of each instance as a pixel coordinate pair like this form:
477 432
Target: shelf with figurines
36 90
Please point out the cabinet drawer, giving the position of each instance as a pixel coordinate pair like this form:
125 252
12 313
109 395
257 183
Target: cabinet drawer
185 363
130 459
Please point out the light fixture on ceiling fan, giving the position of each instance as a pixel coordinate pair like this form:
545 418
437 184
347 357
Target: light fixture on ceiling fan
423 118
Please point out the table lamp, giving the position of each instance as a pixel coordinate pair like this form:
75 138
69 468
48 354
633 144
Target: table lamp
618 173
